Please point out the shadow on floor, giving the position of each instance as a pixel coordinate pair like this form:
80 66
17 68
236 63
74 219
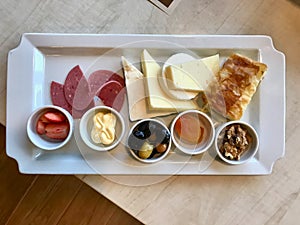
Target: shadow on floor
296 2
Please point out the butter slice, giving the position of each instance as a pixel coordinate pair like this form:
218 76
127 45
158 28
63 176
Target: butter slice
193 75
158 99
136 94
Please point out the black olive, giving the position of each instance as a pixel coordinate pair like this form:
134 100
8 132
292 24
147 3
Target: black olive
134 143
143 126
142 130
139 134
166 134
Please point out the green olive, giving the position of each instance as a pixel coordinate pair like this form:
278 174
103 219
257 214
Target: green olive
146 150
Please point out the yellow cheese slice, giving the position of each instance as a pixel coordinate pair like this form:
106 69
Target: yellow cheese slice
194 75
136 95
158 99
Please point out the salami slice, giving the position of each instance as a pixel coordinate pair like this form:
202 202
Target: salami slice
112 95
58 96
118 78
77 114
76 89
97 79
72 80
82 95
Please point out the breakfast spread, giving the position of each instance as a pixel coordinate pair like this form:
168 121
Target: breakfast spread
103 131
234 141
53 126
235 85
183 83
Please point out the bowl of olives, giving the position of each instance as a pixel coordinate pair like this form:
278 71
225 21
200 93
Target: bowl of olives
149 141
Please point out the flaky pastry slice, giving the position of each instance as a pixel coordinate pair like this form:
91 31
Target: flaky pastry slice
234 86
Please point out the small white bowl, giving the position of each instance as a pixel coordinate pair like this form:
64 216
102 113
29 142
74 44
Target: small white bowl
252 148
157 157
37 139
86 126
208 138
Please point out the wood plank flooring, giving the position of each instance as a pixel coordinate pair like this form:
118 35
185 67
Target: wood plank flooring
51 199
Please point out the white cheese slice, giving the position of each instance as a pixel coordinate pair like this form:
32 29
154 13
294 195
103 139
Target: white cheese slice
213 63
158 99
136 95
194 75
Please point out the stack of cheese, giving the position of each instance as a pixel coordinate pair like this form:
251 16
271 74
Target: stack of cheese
153 99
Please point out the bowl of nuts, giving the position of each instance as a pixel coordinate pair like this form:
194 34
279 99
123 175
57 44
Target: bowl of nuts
149 141
236 142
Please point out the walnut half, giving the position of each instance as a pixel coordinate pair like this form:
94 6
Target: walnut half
234 141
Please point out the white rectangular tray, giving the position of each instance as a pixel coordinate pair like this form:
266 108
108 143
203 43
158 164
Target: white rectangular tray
41 58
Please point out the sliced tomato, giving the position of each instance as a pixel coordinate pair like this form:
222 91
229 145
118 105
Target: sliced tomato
40 127
44 119
57 130
54 117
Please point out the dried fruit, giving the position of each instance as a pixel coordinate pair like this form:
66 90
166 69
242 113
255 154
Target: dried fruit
161 148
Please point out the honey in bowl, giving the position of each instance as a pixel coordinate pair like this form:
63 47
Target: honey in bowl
190 128
192 132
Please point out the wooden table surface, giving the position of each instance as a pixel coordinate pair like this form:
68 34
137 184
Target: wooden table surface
272 199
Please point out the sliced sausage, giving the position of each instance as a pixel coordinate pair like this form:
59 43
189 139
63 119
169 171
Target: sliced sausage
82 95
118 78
97 79
112 95
58 96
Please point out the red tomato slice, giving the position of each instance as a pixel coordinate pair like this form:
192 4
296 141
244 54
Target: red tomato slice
54 117
57 130
40 127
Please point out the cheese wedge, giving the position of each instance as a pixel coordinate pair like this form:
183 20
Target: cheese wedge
213 63
157 98
194 75
136 95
